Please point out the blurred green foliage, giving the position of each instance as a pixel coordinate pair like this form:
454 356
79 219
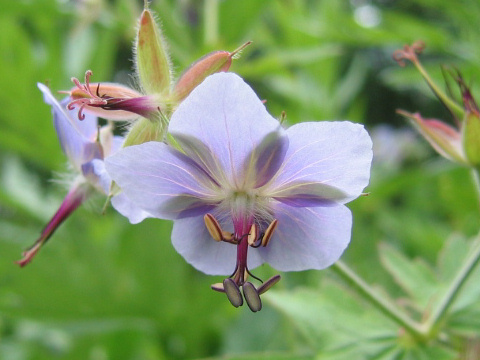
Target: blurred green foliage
104 289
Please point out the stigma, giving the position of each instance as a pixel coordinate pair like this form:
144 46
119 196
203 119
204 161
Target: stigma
247 234
111 101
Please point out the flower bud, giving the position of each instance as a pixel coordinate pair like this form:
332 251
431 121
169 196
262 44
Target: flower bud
217 61
144 130
445 139
151 61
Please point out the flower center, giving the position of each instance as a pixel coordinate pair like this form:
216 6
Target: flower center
246 234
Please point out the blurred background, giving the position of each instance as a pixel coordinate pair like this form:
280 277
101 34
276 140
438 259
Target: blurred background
104 289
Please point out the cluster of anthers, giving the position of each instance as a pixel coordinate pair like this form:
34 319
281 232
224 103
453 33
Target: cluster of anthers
231 285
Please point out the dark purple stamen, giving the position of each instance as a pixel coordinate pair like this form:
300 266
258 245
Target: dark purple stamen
233 292
245 236
252 297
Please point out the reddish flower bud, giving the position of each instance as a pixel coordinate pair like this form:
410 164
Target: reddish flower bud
445 139
217 61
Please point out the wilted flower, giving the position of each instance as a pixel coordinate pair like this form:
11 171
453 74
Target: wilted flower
277 195
111 101
457 143
85 145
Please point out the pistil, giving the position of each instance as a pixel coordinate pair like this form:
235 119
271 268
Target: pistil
242 229
246 233
112 101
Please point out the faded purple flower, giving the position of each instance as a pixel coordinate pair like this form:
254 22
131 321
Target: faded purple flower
85 146
277 195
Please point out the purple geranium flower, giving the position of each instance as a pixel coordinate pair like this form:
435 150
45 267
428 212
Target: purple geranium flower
85 146
277 195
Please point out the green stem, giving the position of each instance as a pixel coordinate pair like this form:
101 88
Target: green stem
476 180
379 301
449 103
211 21
462 276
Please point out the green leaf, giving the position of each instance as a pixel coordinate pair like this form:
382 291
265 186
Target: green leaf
20 188
336 324
415 277
450 259
263 356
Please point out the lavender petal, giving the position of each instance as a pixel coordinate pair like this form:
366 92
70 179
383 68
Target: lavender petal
161 180
333 155
127 208
226 116
75 145
95 172
308 238
88 127
192 240
266 159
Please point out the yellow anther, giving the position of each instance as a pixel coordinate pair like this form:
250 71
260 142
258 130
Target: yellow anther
227 236
218 287
253 235
269 232
268 284
213 227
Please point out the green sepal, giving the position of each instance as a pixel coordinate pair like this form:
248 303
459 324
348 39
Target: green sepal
174 143
445 139
152 61
471 138
144 130
217 61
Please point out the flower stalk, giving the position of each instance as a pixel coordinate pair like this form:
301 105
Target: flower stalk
431 325
476 181
462 276
380 302
410 53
